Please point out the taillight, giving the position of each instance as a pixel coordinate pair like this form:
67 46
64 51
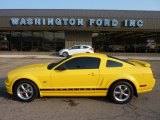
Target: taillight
92 49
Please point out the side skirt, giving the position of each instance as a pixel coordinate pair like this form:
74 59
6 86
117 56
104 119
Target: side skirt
74 92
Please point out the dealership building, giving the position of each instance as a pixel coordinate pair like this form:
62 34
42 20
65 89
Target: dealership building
106 30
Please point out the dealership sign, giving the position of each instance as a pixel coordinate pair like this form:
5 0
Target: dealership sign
74 22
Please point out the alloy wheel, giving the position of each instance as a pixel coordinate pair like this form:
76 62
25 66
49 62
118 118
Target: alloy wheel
25 91
122 93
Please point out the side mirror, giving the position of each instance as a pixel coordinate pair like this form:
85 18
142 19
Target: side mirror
61 67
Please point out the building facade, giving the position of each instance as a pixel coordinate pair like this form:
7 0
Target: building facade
105 30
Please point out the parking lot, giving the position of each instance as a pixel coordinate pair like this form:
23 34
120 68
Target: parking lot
145 107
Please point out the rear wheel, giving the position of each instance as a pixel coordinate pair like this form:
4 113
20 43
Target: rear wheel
65 54
25 91
121 92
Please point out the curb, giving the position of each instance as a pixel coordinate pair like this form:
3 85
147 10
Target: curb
31 56
57 57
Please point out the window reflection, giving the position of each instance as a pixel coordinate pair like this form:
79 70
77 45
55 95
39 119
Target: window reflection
4 41
127 42
32 41
27 41
16 43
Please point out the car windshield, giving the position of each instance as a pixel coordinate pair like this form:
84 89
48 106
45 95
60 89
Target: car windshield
51 65
126 61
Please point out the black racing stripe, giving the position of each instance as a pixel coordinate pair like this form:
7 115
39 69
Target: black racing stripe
48 89
73 89
101 88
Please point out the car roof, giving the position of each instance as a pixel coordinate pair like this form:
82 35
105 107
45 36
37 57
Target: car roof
90 55
81 45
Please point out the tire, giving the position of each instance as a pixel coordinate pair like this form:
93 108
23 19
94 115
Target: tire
25 91
65 54
121 92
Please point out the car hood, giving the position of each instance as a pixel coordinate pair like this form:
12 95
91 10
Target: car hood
32 67
27 70
64 49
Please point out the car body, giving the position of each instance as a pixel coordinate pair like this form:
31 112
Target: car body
75 50
82 75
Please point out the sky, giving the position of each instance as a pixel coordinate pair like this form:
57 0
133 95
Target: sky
153 5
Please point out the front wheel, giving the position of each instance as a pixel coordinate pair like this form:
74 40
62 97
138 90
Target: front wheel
121 92
25 91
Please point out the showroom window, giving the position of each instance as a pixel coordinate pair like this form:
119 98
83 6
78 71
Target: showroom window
126 42
47 41
4 41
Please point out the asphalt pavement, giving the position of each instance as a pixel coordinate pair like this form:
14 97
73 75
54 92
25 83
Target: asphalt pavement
145 107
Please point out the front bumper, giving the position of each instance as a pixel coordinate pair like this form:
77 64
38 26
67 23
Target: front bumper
8 87
60 53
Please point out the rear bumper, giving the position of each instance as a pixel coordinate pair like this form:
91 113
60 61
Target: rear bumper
149 86
91 51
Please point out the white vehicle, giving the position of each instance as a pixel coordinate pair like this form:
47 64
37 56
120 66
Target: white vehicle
76 49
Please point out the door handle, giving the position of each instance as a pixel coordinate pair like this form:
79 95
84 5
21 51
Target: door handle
91 74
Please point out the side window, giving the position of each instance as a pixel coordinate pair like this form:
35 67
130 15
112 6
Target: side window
85 47
76 47
111 63
83 63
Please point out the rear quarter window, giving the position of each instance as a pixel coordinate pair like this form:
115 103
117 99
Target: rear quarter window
85 47
111 63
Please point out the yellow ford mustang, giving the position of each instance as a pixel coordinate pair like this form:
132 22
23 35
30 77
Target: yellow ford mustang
89 74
